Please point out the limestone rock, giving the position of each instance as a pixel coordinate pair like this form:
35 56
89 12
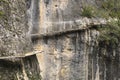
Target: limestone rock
69 48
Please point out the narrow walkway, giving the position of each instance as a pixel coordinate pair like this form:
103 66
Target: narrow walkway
85 23
21 56
80 24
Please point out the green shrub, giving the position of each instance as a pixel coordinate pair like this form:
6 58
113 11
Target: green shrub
108 4
88 11
1 13
113 7
108 8
91 11
110 33
5 1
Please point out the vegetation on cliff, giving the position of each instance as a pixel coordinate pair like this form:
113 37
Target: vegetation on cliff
106 9
110 33
109 9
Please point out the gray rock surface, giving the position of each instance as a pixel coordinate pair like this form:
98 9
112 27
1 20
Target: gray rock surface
72 52
78 56
13 28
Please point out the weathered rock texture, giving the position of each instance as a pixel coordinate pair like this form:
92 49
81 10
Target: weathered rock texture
14 41
24 69
78 56
13 28
72 52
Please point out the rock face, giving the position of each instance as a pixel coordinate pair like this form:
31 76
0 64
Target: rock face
13 28
78 56
23 69
72 52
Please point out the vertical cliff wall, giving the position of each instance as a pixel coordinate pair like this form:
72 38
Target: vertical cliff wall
15 41
78 56
13 28
73 55
50 40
